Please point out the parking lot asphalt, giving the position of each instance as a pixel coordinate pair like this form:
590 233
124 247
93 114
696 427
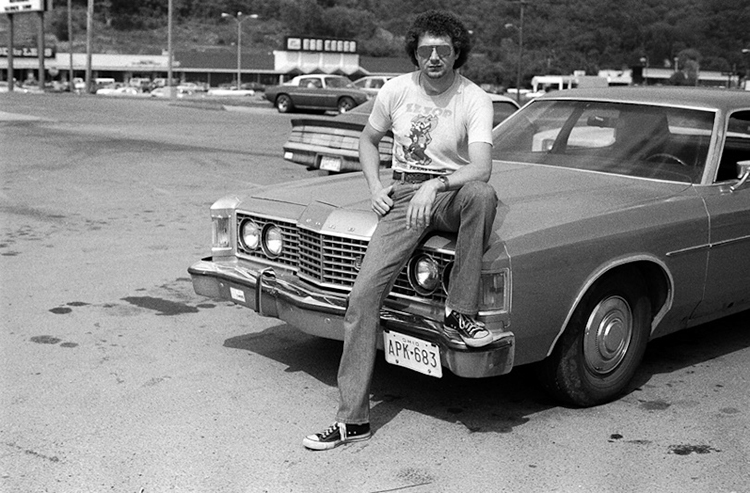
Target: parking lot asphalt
116 377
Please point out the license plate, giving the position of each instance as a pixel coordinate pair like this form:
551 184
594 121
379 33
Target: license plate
412 353
330 163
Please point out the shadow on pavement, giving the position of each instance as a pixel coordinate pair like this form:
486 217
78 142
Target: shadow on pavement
495 405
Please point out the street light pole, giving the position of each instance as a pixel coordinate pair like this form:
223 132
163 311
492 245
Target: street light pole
520 55
238 19
522 3
170 56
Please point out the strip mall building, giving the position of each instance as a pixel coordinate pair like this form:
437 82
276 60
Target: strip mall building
213 66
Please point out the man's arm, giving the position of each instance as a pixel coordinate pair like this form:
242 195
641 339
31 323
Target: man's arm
369 158
479 169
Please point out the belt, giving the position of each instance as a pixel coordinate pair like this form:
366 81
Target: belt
413 177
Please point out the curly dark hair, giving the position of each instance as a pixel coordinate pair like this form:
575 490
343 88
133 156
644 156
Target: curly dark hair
439 23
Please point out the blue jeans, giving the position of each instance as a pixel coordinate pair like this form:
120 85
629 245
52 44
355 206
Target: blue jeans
469 212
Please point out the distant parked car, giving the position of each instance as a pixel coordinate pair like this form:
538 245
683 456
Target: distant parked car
255 86
331 144
107 90
79 84
316 92
122 91
371 84
230 92
16 87
163 92
192 87
623 216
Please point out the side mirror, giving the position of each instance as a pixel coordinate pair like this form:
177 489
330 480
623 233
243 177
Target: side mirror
743 173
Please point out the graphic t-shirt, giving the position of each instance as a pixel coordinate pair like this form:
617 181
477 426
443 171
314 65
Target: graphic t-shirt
432 133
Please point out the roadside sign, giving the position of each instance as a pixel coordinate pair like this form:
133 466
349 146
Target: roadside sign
21 6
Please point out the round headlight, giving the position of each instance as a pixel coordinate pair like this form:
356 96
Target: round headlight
250 235
272 240
424 275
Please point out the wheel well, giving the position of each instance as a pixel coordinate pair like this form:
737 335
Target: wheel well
656 280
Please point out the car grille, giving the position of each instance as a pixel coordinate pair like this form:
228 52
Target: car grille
329 261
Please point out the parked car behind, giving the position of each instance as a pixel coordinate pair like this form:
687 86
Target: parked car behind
371 84
230 92
623 215
17 87
316 92
331 144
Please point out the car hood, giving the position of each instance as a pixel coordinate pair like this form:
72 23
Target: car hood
532 198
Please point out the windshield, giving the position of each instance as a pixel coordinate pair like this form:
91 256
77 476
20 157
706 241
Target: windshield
656 142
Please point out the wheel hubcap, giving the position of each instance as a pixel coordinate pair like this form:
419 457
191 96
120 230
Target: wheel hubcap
608 334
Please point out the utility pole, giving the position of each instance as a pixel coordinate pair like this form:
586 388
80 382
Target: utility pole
11 79
40 49
520 54
169 48
71 86
238 19
89 37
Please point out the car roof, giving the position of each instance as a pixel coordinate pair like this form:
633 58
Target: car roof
696 97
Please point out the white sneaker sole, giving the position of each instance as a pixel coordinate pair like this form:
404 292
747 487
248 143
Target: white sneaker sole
312 442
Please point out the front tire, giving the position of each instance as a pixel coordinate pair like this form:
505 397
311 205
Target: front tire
603 344
284 104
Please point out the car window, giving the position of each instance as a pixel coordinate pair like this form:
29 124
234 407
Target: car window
657 142
338 82
502 110
311 83
736 145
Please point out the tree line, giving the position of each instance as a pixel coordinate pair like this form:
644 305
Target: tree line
559 36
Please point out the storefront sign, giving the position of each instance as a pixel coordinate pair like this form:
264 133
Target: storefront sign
328 45
20 6
26 52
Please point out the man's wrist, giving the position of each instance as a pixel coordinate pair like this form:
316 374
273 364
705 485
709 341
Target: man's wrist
444 184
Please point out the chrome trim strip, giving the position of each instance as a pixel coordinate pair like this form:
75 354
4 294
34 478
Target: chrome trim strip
708 246
730 241
692 249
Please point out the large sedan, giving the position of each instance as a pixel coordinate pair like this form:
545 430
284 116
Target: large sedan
316 92
623 215
331 144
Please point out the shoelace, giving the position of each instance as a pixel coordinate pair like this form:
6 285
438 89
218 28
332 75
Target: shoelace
468 325
334 428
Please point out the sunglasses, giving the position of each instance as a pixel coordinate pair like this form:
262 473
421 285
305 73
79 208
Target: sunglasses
443 51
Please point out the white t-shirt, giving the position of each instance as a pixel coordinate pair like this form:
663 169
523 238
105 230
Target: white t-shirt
432 133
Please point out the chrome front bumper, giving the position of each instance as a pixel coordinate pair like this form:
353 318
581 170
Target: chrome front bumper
279 294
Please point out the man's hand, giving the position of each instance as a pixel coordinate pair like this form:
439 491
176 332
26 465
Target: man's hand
419 211
382 201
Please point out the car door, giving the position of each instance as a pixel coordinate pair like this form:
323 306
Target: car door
728 275
309 92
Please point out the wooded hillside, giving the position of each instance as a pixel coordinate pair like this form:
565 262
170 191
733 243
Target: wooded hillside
559 36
